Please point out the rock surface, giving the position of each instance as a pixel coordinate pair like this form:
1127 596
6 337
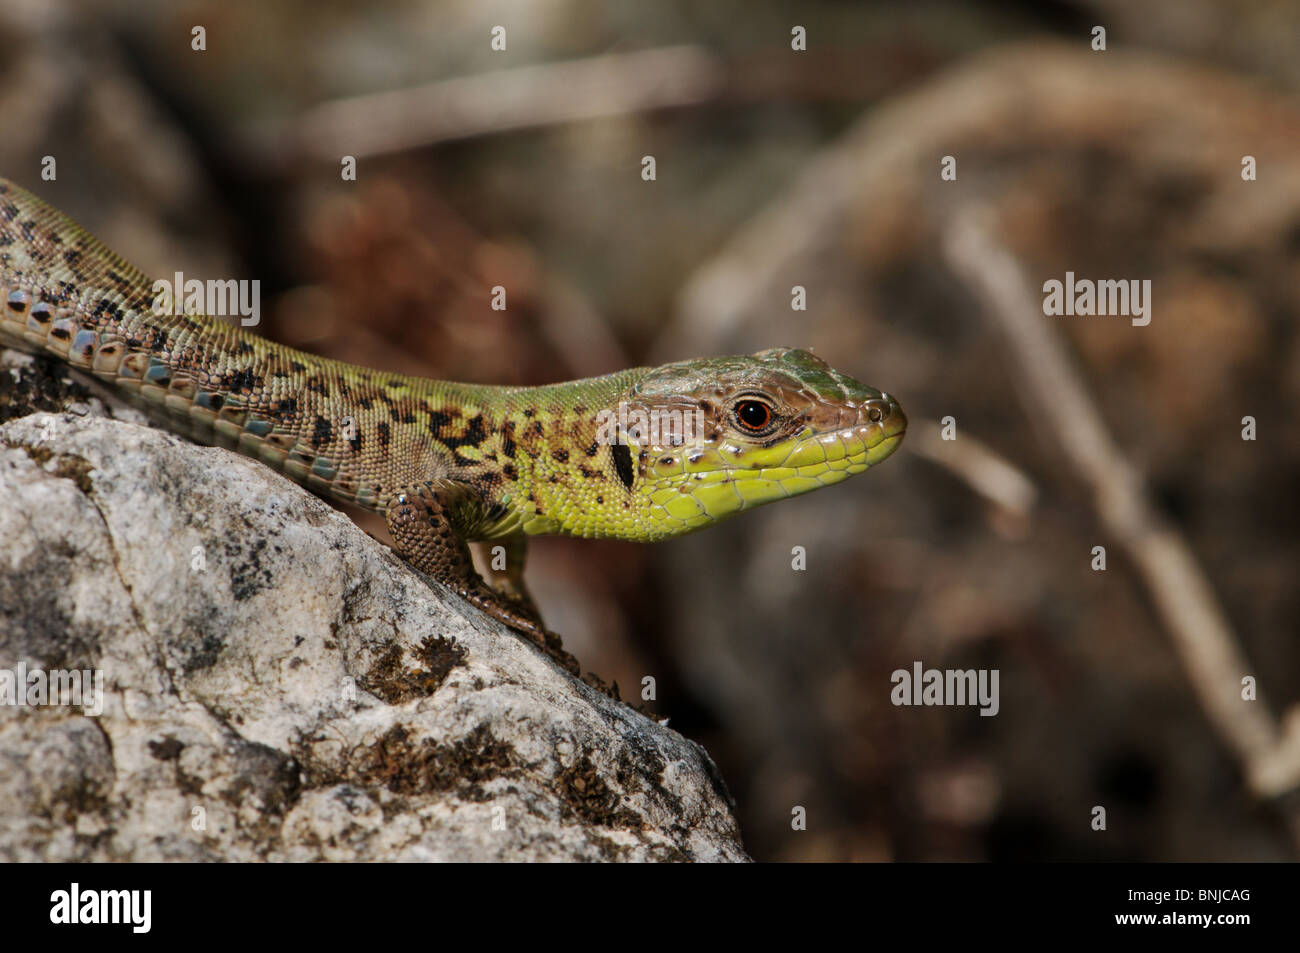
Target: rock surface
279 686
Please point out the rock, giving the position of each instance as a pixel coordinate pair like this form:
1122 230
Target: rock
279 686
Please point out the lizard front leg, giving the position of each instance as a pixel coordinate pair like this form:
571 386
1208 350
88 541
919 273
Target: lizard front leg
427 523
509 580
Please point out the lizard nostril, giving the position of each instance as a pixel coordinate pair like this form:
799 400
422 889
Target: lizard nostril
877 410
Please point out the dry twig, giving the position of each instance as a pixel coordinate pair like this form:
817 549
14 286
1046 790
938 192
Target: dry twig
1052 390
520 98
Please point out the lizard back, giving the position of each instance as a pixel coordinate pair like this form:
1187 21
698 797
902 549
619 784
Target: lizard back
343 431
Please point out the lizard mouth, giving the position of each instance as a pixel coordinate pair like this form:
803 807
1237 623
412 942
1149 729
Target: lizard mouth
704 488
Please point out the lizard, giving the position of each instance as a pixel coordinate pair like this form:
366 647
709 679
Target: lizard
642 454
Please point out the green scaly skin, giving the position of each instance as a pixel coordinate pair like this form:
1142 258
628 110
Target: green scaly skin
445 462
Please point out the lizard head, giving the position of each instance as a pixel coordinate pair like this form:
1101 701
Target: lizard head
707 439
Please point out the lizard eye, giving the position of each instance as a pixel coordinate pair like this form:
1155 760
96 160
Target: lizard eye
752 415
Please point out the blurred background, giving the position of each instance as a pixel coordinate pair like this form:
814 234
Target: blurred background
775 167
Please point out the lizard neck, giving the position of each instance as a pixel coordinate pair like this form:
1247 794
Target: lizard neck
543 458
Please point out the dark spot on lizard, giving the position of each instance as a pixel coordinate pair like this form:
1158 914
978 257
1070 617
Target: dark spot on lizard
622 463
321 433
475 434
438 422
561 455
239 381
383 432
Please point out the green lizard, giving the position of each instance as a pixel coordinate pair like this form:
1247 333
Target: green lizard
642 454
